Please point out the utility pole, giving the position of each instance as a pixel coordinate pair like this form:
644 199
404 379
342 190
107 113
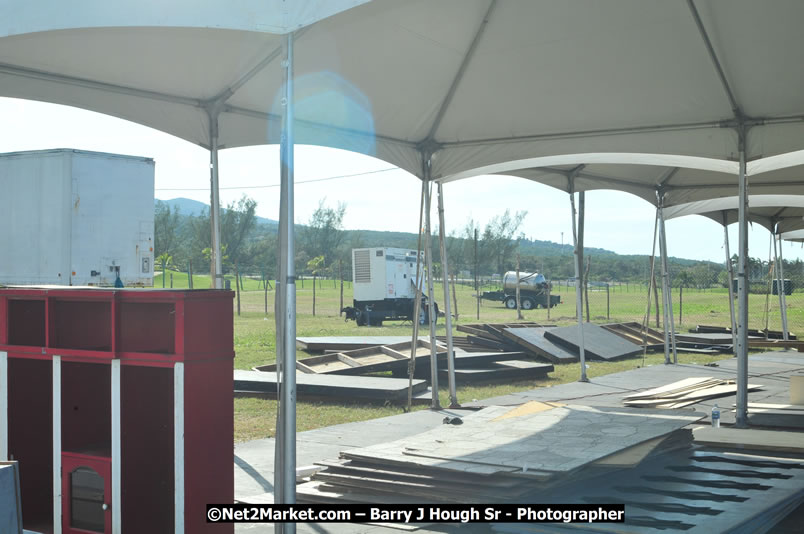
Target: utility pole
477 290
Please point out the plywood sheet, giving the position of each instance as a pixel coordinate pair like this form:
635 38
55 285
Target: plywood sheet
528 408
769 406
361 361
340 343
358 387
634 333
692 397
631 456
748 438
534 340
684 384
709 337
599 343
506 370
537 445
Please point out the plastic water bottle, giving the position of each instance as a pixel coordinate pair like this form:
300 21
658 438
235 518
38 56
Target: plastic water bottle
715 416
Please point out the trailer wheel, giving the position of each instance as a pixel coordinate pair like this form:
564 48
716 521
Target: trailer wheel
423 315
527 304
360 318
510 303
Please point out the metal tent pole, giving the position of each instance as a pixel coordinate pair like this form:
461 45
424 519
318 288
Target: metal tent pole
453 395
581 235
667 292
664 294
730 271
279 306
780 285
431 311
215 201
417 304
742 296
287 277
578 269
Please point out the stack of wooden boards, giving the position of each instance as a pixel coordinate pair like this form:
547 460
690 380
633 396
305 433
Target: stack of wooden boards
550 343
718 337
364 372
653 340
394 358
498 454
683 393
767 334
751 439
776 409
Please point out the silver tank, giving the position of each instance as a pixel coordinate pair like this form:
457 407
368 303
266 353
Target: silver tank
530 281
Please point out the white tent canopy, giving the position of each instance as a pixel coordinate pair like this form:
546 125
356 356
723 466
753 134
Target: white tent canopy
795 236
777 213
580 77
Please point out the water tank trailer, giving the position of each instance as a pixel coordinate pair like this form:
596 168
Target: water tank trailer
533 290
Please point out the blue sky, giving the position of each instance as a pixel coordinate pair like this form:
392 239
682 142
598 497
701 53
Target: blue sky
377 196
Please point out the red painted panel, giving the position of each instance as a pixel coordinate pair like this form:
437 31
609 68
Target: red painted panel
30 435
3 320
208 325
86 408
26 292
81 324
209 442
147 449
26 322
147 327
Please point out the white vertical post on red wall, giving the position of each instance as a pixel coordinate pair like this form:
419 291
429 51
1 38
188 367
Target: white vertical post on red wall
116 497
178 448
3 406
56 445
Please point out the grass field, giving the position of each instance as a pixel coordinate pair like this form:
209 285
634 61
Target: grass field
255 340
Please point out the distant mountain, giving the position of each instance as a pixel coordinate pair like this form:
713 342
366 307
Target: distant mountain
193 207
375 238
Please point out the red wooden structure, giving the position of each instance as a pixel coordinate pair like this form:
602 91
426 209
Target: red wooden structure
118 406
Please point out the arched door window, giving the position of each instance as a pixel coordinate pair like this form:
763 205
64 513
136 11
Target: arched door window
87 500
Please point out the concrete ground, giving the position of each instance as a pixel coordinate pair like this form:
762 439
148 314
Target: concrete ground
254 460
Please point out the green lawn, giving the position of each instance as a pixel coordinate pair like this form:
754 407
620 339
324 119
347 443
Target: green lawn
255 345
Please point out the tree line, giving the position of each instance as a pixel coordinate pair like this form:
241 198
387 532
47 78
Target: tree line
323 248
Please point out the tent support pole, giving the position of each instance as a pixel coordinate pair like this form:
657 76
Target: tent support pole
664 294
667 292
578 281
286 480
431 311
742 295
215 202
453 395
780 285
730 271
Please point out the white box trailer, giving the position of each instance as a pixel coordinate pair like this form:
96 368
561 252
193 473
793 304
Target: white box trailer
384 285
72 217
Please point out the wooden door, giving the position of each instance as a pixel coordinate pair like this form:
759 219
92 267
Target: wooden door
86 493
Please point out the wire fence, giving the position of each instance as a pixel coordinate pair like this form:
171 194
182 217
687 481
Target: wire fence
701 299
